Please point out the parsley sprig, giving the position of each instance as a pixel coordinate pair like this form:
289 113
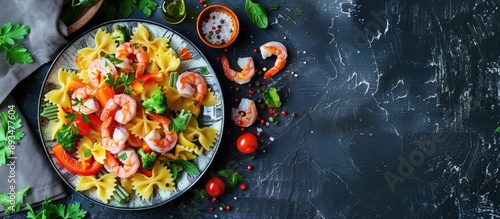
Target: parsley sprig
50 210
126 7
10 133
5 200
124 80
68 133
14 52
179 123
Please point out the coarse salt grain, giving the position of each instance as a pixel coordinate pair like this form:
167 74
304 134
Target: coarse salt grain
217 28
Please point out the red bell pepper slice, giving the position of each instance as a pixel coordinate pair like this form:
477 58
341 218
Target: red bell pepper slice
138 84
74 165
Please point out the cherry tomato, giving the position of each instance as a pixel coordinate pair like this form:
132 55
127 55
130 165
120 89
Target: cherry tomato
215 186
83 127
228 207
247 143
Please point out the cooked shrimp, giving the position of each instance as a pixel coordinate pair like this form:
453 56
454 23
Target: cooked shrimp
277 49
247 70
246 114
134 141
122 168
123 106
98 69
115 143
82 101
190 83
127 49
125 66
154 139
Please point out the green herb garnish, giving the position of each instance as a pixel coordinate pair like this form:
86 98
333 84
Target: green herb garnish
14 53
272 98
233 177
6 201
257 14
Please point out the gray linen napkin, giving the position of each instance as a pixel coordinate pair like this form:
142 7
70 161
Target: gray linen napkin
28 166
44 41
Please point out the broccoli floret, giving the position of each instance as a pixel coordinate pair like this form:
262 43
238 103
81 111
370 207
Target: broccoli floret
148 159
120 34
157 103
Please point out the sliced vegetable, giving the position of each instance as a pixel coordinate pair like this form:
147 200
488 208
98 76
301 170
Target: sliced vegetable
173 79
140 82
74 165
185 54
104 93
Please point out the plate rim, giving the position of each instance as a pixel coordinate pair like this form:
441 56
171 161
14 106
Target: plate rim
41 96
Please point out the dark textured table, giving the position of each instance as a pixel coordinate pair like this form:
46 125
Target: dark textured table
396 107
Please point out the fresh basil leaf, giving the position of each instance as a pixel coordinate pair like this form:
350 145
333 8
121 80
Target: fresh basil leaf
257 14
188 167
272 98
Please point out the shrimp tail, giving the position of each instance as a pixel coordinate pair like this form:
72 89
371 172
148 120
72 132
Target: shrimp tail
271 72
141 68
228 72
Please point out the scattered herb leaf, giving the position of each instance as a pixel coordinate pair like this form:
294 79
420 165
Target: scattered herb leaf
257 14
14 52
233 177
124 80
204 70
10 133
7 202
122 156
50 210
272 98
187 166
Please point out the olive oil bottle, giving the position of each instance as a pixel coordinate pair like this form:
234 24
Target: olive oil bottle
173 11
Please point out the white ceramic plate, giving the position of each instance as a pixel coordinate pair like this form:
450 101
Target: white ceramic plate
212 116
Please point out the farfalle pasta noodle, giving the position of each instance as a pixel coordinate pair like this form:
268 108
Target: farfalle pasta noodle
105 185
161 178
104 43
141 125
193 133
180 153
192 141
61 96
